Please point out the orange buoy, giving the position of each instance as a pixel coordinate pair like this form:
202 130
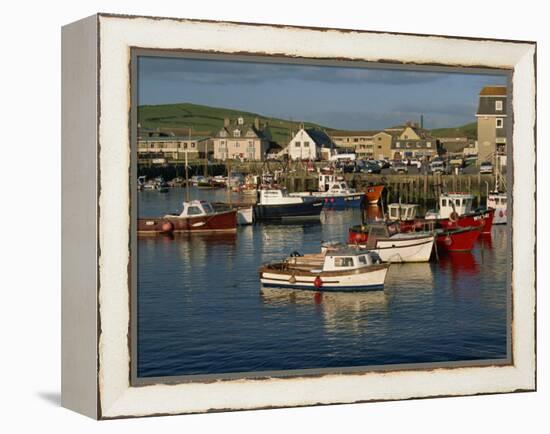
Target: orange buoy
318 282
167 227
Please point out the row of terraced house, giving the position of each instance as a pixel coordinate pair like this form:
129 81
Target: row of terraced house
250 139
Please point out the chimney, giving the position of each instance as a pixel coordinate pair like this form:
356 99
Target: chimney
226 122
257 123
408 124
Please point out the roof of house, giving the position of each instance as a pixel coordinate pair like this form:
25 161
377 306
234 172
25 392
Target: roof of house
244 129
320 138
493 91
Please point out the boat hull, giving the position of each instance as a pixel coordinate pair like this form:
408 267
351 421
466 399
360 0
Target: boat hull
220 222
483 219
369 278
501 216
458 240
304 210
414 249
245 216
343 201
373 193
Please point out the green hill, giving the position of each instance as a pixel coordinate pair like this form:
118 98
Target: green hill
468 130
206 120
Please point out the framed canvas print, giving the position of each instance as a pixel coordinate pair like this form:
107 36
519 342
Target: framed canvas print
260 216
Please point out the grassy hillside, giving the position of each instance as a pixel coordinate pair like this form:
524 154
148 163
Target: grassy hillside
206 120
468 130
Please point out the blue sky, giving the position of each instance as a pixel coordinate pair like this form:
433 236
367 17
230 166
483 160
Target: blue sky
337 97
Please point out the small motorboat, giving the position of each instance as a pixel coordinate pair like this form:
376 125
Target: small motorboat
196 216
277 204
156 184
392 245
337 196
338 270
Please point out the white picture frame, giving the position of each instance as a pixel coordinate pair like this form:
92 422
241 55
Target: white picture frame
96 356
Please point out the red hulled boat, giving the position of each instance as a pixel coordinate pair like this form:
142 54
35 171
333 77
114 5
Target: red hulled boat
455 210
196 216
457 239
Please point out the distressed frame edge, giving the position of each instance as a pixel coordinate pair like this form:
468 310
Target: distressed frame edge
530 385
79 136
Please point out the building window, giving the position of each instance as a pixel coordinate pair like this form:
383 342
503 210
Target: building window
193 144
306 144
405 137
237 144
379 138
429 144
398 145
237 133
498 106
356 140
500 122
297 144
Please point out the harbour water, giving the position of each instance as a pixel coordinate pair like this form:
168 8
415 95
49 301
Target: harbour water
201 309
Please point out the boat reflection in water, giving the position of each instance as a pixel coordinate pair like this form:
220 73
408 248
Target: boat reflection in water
341 312
373 213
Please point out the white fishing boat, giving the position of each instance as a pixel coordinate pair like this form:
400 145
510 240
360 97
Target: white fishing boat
338 270
499 202
391 245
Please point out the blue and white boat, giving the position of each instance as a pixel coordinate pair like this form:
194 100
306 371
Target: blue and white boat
277 204
335 194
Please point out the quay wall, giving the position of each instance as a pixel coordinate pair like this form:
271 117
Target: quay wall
411 188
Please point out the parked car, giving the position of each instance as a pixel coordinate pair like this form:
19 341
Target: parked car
438 167
415 162
371 167
399 167
486 167
457 162
385 163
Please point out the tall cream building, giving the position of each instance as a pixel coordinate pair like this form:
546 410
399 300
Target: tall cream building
491 122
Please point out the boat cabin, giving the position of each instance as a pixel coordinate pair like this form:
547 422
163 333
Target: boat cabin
339 187
196 208
399 211
327 180
461 203
277 197
497 200
348 259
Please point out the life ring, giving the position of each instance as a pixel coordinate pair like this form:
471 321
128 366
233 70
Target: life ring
453 217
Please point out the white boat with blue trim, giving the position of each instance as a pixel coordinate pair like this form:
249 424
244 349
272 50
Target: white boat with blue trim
335 270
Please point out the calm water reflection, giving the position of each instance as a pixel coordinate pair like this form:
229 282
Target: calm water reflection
201 309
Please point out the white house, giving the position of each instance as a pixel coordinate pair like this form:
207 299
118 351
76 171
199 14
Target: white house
310 144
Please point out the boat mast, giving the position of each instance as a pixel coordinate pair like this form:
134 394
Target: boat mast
229 180
186 177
